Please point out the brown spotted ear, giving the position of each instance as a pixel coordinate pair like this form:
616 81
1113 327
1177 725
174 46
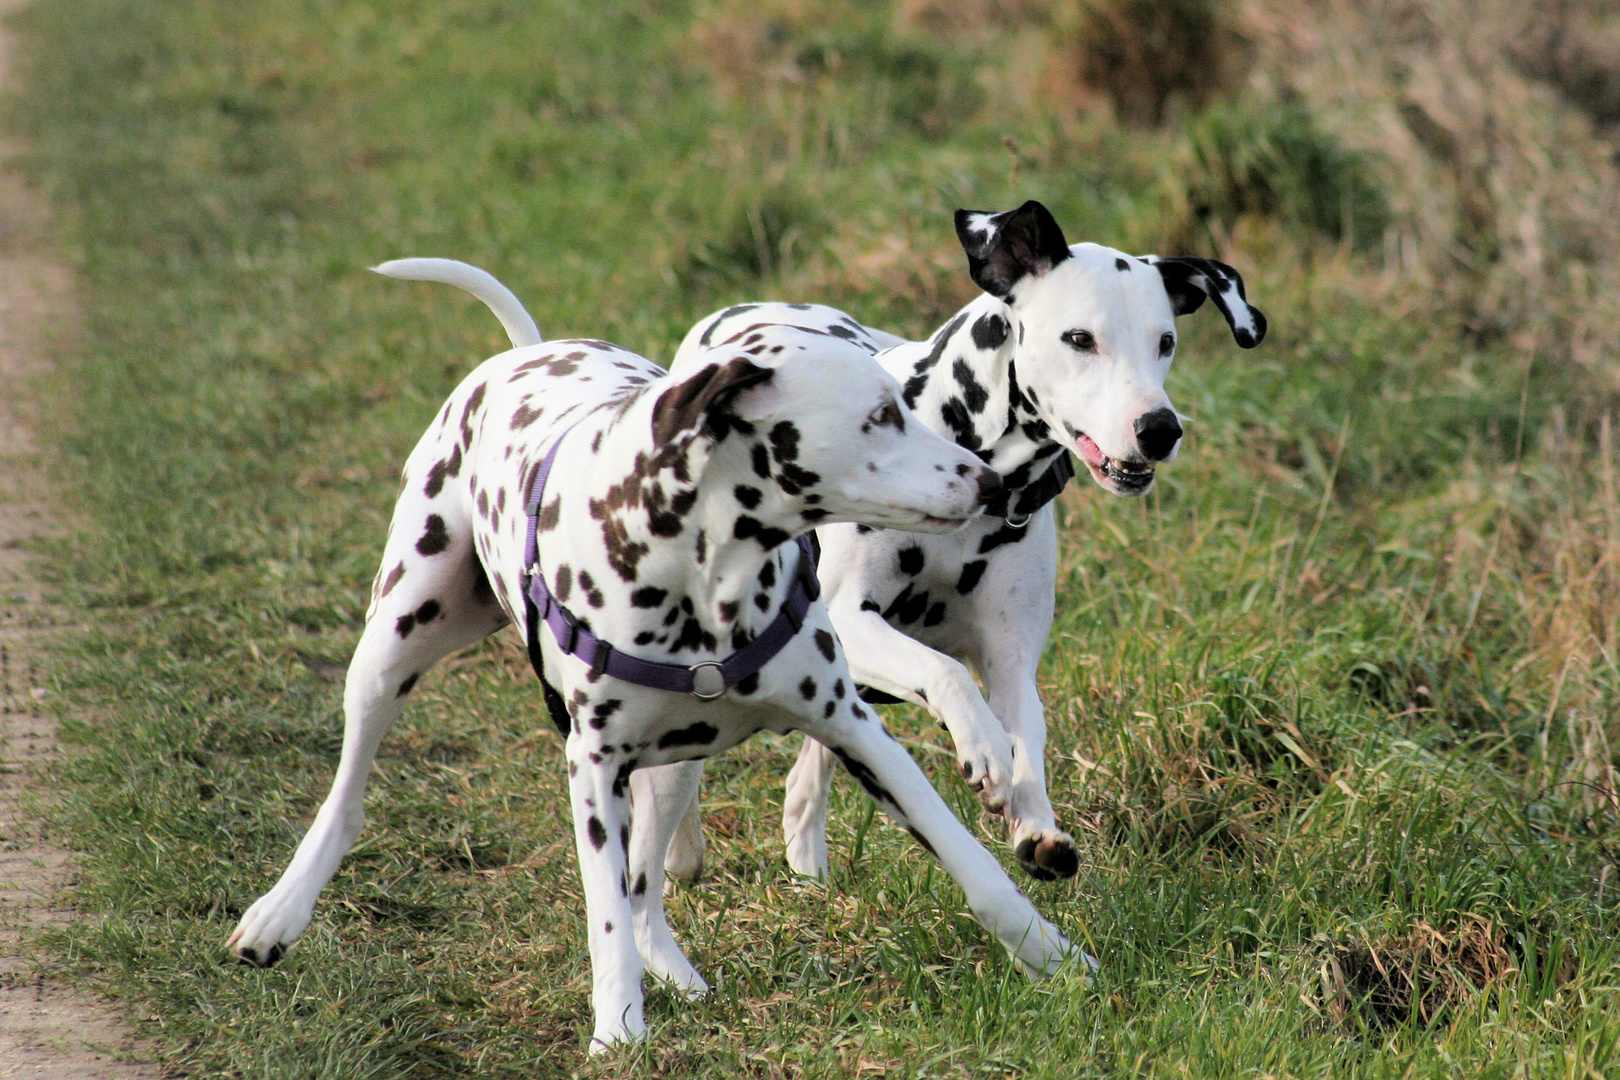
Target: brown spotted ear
702 398
1005 248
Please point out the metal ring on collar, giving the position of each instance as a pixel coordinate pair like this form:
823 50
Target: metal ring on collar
700 678
1014 522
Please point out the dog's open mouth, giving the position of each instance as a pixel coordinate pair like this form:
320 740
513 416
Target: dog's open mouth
1121 477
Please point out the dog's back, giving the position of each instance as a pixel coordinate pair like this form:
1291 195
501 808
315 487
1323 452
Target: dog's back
487 441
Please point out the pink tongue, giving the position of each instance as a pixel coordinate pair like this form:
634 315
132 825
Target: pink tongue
1090 451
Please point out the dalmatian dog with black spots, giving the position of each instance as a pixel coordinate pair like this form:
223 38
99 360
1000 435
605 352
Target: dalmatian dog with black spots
668 526
1066 352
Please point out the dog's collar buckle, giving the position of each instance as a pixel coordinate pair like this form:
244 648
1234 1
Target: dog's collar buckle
708 680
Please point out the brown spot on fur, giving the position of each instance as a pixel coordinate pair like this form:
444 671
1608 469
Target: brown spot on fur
450 466
475 401
435 537
523 416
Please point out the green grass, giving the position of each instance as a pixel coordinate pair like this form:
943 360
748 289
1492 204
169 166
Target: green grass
1319 712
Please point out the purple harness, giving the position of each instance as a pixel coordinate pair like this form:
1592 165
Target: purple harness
705 680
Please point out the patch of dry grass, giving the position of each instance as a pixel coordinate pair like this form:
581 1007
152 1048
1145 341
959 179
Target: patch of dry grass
1420 975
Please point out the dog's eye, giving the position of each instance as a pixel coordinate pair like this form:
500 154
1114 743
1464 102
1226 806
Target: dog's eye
887 415
1167 344
1080 340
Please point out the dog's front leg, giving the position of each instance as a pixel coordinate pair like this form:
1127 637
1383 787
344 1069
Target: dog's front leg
900 788
661 797
1044 850
1012 618
886 659
602 836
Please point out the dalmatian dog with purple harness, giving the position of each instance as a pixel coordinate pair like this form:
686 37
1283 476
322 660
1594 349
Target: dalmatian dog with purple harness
1066 352
640 527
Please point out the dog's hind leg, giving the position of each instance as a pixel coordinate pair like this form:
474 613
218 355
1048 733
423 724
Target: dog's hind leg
659 795
431 599
683 859
933 680
804 810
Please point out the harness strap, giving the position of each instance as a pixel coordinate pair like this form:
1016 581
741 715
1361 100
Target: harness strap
704 680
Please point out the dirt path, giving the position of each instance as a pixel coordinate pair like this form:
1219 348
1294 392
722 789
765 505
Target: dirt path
47 1032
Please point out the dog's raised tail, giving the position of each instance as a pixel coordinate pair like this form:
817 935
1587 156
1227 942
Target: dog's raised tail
507 307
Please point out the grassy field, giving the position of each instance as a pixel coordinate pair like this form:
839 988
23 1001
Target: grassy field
1332 710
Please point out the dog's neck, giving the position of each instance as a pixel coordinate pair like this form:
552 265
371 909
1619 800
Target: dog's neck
708 572
963 382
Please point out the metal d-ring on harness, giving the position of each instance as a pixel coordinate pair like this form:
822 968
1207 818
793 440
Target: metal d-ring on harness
1016 521
705 680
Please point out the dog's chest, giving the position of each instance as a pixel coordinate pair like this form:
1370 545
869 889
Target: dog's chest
639 727
503 422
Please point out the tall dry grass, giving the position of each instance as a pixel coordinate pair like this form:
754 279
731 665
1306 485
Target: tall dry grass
1504 184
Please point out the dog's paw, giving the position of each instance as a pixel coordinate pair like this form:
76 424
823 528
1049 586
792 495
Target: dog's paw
990 788
985 781
676 972
267 931
1048 855
1042 949
661 954
610 1036
984 756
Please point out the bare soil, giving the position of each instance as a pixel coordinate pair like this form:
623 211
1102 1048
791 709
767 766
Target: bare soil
48 1031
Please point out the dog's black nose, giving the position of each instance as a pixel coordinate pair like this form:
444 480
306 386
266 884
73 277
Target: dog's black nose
989 484
1157 433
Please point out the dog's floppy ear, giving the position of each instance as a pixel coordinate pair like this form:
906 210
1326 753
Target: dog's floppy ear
1005 248
703 397
1190 280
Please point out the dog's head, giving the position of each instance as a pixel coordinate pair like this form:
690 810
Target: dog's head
1093 333
820 433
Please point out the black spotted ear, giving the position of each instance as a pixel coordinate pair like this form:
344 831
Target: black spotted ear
1005 248
1190 280
703 397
